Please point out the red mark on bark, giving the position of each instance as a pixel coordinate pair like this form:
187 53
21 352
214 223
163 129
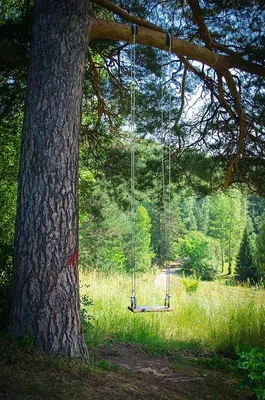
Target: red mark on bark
44 105
73 259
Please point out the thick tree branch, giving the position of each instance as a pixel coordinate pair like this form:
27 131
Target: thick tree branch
148 37
101 29
186 50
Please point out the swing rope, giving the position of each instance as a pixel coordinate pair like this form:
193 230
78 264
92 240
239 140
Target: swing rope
166 132
166 204
132 133
168 210
163 141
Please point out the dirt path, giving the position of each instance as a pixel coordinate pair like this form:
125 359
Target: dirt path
160 378
122 372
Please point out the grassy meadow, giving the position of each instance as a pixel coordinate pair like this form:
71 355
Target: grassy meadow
214 317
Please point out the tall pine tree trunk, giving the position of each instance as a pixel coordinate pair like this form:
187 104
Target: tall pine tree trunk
45 292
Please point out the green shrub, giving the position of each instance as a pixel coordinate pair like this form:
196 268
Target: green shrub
27 343
86 316
253 364
216 363
200 255
190 284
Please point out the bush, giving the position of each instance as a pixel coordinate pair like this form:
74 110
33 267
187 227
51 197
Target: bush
200 255
86 316
190 284
253 364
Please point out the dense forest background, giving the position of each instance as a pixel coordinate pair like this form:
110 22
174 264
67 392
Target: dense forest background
207 231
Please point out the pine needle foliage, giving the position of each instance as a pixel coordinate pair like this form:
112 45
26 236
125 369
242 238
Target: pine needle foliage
246 270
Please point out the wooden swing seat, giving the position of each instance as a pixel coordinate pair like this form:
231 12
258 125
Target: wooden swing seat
141 309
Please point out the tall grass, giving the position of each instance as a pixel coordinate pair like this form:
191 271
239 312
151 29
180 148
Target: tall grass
214 317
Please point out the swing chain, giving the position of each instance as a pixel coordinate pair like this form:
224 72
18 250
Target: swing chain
169 222
167 218
133 300
167 194
134 30
167 300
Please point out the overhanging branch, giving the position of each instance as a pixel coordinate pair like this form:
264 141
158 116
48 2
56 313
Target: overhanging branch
185 50
101 29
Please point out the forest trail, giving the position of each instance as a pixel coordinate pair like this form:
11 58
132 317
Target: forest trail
157 377
161 278
175 269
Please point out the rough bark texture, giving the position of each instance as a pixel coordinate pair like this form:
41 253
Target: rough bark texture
45 292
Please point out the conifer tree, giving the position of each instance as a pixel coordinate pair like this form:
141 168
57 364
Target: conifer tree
260 249
245 268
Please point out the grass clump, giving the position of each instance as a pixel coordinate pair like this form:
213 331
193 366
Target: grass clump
217 363
105 365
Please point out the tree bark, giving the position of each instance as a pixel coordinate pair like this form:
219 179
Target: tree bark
45 291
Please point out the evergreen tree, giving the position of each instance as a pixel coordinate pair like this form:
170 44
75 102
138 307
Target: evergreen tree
260 249
245 268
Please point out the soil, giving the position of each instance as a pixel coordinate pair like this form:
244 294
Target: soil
120 372
156 377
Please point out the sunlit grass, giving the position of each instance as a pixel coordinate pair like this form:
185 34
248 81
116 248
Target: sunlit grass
215 317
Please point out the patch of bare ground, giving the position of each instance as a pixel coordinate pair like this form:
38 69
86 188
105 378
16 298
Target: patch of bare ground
130 373
166 379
